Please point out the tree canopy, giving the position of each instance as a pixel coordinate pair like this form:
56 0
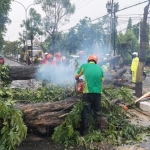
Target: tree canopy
57 13
4 9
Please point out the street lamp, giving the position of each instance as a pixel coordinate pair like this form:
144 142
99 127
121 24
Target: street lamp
25 8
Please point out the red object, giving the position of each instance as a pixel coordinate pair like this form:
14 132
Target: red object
52 63
80 86
1 60
93 57
45 61
58 57
48 56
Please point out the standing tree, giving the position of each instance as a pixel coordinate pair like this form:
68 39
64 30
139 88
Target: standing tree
142 56
12 48
33 25
57 14
129 26
4 9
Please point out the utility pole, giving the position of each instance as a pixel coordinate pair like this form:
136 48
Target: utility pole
109 10
112 8
116 7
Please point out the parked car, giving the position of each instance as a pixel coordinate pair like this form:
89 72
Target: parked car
1 60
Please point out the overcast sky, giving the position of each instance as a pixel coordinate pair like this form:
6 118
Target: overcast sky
89 8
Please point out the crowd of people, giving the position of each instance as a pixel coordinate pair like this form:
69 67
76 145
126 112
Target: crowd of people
54 60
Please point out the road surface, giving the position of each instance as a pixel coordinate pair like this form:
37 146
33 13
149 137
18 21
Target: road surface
20 83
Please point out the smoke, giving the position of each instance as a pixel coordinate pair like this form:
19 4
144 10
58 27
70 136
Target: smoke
59 75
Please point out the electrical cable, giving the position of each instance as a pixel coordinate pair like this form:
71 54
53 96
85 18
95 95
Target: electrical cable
85 4
117 11
123 9
80 3
76 1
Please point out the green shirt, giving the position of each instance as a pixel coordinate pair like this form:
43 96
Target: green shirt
93 76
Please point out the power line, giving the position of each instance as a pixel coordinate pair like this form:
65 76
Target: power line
130 15
117 11
77 1
132 5
122 9
84 5
80 3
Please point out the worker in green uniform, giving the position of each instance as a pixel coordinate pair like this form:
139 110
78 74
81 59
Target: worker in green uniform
93 81
134 66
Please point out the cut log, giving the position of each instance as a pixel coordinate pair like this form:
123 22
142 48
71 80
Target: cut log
46 115
119 73
111 77
22 72
117 83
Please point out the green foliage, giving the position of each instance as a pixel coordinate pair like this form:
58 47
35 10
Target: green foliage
12 48
4 75
127 43
13 130
33 25
66 133
57 13
129 26
50 93
4 10
119 130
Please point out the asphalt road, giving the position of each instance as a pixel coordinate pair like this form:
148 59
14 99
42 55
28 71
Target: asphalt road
20 83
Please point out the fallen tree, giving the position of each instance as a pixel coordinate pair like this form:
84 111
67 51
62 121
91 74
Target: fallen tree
112 60
46 115
30 72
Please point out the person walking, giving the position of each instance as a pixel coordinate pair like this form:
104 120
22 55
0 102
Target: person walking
134 66
93 82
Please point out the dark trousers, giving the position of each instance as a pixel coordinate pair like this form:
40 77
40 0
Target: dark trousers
92 104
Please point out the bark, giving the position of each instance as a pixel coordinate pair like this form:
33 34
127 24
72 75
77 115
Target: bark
22 72
142 57
46 115
113 77
120 84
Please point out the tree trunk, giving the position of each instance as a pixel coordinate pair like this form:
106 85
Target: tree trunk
142 56
22 72
112 59
120 84
46 115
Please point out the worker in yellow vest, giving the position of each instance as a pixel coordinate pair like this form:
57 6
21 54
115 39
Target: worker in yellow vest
134 66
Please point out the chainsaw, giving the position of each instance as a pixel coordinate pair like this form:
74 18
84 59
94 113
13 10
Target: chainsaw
79 86
121 104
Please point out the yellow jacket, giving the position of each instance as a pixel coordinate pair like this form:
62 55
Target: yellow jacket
134 65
